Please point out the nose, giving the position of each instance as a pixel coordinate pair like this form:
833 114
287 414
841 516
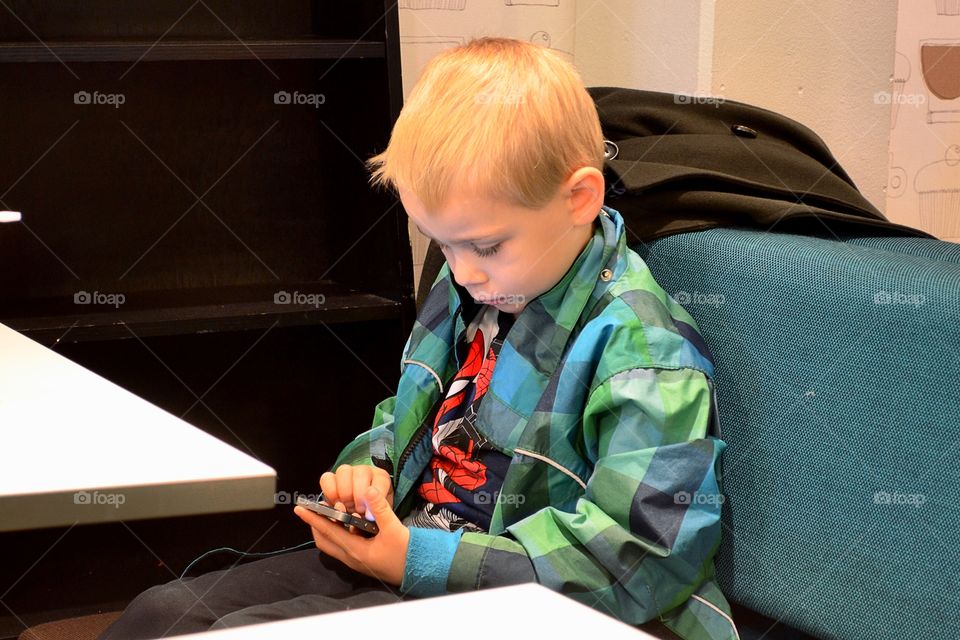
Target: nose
466 272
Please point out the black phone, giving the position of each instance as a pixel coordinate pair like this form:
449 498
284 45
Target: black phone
366 527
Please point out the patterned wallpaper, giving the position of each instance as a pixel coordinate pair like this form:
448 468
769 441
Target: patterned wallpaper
923 188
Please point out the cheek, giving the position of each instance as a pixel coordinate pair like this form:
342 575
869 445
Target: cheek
513 277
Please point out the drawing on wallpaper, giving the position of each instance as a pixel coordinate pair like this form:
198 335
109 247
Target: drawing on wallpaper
901 73
896 180
448 5
938 187
539 3
948 7
543 39
416 51
940 65
434 43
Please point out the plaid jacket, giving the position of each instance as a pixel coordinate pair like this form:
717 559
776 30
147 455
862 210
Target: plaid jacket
602 395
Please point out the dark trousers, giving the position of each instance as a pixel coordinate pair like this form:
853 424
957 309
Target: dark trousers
300 583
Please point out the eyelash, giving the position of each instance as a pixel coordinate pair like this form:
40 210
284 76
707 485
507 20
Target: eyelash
486 252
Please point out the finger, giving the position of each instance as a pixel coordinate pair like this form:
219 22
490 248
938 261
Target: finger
313 519
324 538
362 477
382 511
348 527
384 484
332 550
328 485
332 538
345 484
339 506
330 530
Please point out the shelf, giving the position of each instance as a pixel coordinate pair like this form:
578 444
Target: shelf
101 189
151 51
199 311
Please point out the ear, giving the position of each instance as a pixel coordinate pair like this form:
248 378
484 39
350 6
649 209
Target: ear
585 189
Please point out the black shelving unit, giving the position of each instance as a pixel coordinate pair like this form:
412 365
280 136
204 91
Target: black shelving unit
198 228
142 50
175 312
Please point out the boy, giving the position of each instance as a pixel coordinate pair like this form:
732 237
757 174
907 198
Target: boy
551 420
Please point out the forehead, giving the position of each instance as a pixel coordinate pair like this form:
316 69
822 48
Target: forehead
460 219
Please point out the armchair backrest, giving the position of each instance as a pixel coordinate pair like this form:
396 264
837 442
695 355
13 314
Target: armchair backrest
838 380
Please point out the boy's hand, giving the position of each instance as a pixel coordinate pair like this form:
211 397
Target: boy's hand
383 556
349 484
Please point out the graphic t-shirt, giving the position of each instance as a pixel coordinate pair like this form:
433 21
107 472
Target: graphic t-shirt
459 488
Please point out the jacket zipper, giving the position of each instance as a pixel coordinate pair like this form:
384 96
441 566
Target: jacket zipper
413 444
425 428
427 424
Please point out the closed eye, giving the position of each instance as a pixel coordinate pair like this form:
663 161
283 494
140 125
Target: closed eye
486 252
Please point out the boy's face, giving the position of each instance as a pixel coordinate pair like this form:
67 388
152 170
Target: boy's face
505 255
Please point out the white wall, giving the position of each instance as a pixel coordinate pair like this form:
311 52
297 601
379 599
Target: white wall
660 45
820 62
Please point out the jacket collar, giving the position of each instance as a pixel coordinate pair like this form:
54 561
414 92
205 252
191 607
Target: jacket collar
564 304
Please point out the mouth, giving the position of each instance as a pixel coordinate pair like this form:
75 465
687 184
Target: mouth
493 300
490 303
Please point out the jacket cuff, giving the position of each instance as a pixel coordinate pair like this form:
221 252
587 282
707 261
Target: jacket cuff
429 557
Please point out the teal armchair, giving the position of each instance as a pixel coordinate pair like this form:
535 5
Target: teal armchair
838 378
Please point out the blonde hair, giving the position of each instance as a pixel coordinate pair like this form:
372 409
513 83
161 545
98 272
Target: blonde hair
505 119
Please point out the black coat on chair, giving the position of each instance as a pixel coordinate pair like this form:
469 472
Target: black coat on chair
678 163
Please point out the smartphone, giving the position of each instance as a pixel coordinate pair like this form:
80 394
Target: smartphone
364 526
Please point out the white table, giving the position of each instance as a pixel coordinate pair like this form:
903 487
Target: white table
520 611
76 448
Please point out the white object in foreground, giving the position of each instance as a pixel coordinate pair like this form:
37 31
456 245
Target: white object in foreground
520 611
76 448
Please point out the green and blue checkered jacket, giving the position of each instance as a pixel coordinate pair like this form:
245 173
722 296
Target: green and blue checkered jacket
602 396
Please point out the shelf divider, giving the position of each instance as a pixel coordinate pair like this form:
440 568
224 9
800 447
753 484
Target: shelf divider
201 311
151 51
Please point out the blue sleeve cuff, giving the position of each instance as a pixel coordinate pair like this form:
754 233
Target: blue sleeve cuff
429 557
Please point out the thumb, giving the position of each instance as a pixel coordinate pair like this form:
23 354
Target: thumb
377 505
